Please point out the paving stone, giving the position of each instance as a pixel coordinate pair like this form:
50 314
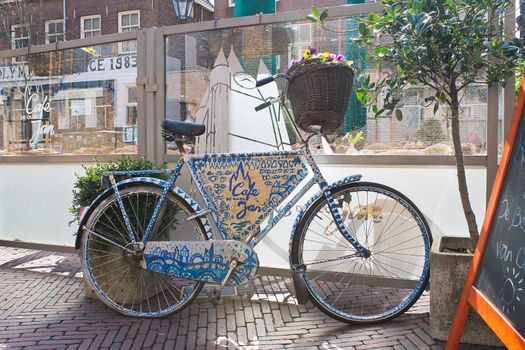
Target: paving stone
211 331
251 331
221 327
201 336
261 328
268 321
230 322
48 310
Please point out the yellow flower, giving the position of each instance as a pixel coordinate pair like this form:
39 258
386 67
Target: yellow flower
326 55
89 50
307 54
350 63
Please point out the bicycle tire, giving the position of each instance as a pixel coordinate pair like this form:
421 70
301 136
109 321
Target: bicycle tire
97 255
383 283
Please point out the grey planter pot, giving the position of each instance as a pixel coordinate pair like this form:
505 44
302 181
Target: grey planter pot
448 273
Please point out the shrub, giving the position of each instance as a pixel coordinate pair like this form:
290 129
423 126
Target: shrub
430 132
87 186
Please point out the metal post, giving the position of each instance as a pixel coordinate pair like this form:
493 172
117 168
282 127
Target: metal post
152 88
141 93
160 59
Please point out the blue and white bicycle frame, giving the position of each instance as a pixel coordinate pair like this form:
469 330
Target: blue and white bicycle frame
243 192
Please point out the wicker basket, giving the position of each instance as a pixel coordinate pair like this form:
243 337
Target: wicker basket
319 95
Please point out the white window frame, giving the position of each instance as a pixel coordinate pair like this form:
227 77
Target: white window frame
120 27
18 60
128 103
123 13
83 18
54 21
13 39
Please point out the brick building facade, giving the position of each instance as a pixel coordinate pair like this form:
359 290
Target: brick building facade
86 18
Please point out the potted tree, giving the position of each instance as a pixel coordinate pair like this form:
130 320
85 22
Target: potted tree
445 46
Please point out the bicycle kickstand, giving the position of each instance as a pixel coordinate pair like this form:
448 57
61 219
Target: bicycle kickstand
214 295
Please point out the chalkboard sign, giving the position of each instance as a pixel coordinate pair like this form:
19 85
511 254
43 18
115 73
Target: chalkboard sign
495 286
501 274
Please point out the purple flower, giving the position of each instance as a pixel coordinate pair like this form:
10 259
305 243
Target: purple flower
332 56
313 50
294 61
340 57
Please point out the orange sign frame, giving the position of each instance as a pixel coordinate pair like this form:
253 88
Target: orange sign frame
472 297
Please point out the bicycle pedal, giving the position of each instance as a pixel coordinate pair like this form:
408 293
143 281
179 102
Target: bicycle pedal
214 296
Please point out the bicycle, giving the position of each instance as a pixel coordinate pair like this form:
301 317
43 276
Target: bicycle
359 250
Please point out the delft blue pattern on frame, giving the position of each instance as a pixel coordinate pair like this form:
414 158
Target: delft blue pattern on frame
243 189
206 261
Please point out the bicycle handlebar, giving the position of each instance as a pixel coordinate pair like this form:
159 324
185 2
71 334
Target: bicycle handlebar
262 106
264 81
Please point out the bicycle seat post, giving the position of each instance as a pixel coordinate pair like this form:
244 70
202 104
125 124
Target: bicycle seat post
180 146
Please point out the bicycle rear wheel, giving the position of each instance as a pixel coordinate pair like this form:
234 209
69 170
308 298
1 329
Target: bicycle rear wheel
115 277
356 289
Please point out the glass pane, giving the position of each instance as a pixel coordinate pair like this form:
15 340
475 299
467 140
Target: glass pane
134 19
96 23
87 24
68 103
132 95
125 20
212 83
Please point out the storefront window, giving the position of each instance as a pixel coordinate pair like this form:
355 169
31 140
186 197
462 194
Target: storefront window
212 83
77 101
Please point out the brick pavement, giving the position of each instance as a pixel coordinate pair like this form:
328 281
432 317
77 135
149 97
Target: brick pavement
42 306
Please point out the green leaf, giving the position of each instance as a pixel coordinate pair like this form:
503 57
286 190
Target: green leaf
436 107
312 18
361 96
416 6
375 109
380 51
372 17
314 11
399 115
363 29
323 15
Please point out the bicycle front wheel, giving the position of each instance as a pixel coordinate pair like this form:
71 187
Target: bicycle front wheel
116 277
356 289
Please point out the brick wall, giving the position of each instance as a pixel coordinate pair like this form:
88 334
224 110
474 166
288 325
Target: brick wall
153 13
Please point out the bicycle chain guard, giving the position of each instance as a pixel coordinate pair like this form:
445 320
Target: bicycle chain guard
206 261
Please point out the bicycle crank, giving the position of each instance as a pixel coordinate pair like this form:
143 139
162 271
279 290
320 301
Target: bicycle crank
206 261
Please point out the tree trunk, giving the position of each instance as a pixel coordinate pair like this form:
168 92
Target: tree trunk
462 180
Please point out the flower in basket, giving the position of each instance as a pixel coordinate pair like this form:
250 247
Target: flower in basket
310 56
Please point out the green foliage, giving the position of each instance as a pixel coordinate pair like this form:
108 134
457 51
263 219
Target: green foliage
87 186
430 132
354 138
445 45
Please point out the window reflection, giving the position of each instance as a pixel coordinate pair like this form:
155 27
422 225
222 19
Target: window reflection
200 87
78 101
